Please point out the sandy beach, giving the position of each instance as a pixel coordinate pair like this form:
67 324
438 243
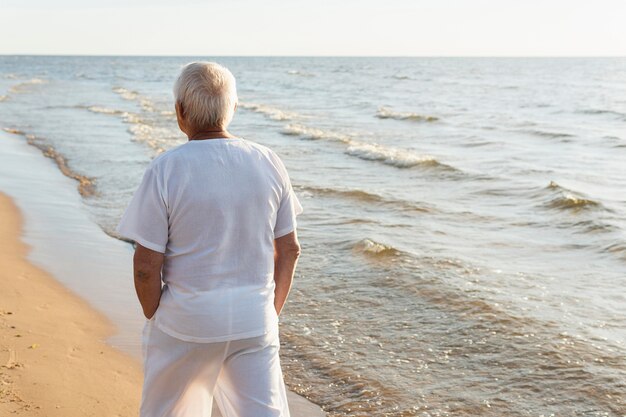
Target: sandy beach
54 358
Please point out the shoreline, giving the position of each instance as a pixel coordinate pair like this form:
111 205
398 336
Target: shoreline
48 206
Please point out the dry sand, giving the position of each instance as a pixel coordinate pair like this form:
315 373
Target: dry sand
54 360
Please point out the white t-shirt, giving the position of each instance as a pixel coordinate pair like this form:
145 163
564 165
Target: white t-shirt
214 208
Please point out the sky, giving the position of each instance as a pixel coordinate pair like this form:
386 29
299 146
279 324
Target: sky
314 27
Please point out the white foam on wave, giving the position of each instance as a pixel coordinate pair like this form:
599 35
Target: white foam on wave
159 138
565 199
375 249
400 158
397 157
270 112
147 105
387 113
125 93
140 130
103 110
300 73
17 88
306 132
127 117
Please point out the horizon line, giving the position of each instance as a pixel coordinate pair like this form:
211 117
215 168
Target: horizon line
302 56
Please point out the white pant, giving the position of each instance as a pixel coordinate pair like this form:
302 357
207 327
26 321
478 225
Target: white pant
182 378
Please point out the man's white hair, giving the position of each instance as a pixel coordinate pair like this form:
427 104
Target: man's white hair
208 94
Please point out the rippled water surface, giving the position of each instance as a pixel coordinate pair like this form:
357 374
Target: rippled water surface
464 245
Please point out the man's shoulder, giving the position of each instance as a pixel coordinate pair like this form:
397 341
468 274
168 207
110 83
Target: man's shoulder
269 154
167 155
260 148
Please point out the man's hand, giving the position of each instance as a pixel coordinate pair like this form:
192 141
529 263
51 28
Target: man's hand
147 270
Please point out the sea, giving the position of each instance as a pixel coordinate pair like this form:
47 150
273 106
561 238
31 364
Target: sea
464 227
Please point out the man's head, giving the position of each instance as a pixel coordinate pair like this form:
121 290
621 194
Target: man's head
206 97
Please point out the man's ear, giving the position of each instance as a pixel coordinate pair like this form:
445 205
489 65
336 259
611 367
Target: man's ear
180 111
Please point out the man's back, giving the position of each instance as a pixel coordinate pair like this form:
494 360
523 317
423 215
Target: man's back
216 207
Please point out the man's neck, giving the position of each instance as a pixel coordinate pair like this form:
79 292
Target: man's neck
210 133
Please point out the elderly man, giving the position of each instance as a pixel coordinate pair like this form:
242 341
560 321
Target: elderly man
215 220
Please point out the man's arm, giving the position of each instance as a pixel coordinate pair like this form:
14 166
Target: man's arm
147 266
286 253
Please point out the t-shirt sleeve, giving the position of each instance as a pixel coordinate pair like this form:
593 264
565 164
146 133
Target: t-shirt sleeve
289 208
145 220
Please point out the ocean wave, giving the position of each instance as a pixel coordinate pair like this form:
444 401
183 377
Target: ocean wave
399 158
86 185
35 81
148 105
13 131
547 134
387 113
362 196
477 143
82 75
594 226
159 138
570 201
32 81
401 77
376 250
104 110
3 98
358 195
145 103
20 87
618 249
128 117
125 93
300 73
272 113
564 199
141 127
603 112
313 133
